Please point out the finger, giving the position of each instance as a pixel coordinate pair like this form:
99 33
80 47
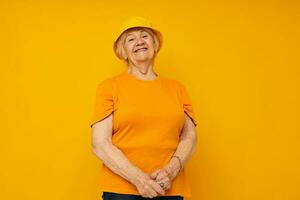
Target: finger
161 175
154 174
152 191
167 183
157 187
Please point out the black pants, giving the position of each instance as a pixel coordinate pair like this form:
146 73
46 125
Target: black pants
117 196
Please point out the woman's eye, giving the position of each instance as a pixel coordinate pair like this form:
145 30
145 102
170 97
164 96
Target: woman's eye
145 36
130 39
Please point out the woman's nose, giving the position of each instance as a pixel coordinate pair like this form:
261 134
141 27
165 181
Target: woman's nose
140 41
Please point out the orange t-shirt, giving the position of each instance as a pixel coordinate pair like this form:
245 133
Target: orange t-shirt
147 121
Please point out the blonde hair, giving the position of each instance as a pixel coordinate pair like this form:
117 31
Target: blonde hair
120 50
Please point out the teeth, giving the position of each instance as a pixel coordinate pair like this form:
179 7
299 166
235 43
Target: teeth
141 49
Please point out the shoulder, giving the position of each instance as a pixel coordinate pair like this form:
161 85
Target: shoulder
167 79
173 82
109 82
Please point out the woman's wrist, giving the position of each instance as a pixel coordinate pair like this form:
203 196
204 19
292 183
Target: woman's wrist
173 167
137 177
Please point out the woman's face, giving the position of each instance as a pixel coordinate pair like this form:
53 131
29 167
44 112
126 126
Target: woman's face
139 45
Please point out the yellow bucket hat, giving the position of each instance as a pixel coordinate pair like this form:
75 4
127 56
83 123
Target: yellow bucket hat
136 21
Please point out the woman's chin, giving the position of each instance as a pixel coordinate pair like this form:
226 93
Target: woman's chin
143 57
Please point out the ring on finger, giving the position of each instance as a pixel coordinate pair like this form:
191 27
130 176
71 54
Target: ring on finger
162 185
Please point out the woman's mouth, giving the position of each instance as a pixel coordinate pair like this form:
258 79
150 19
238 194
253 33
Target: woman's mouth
141 49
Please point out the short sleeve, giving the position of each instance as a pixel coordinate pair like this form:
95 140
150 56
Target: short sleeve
104 102
187 103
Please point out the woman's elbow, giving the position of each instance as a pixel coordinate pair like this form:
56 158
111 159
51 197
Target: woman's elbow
99 146
99 143
194 139
101 135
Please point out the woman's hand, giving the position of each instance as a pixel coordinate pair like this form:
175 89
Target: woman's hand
162 176
148 187
167 174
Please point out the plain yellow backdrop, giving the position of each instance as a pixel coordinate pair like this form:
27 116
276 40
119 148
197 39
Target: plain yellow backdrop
238 59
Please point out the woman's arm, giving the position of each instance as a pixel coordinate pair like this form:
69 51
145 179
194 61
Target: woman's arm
115 159
185 148
110 155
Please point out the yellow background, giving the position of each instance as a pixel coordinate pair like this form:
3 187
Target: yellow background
239 61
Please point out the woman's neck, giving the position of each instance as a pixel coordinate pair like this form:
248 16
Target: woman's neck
142 71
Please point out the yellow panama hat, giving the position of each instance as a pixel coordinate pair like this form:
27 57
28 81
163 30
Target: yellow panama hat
136 21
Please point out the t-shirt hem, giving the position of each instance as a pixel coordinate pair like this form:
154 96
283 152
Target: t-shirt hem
134 192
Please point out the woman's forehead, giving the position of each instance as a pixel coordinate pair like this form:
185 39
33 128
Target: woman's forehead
136 30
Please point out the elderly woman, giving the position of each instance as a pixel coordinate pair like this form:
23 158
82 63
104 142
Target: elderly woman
143 125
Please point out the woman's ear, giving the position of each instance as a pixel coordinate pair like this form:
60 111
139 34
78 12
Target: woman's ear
156 44
156 48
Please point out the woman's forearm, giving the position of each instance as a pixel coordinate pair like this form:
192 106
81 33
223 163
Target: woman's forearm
115 160
185 149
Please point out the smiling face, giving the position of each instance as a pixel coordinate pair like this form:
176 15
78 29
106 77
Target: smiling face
139 45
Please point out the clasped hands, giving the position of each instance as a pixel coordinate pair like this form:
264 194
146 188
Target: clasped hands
157 182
